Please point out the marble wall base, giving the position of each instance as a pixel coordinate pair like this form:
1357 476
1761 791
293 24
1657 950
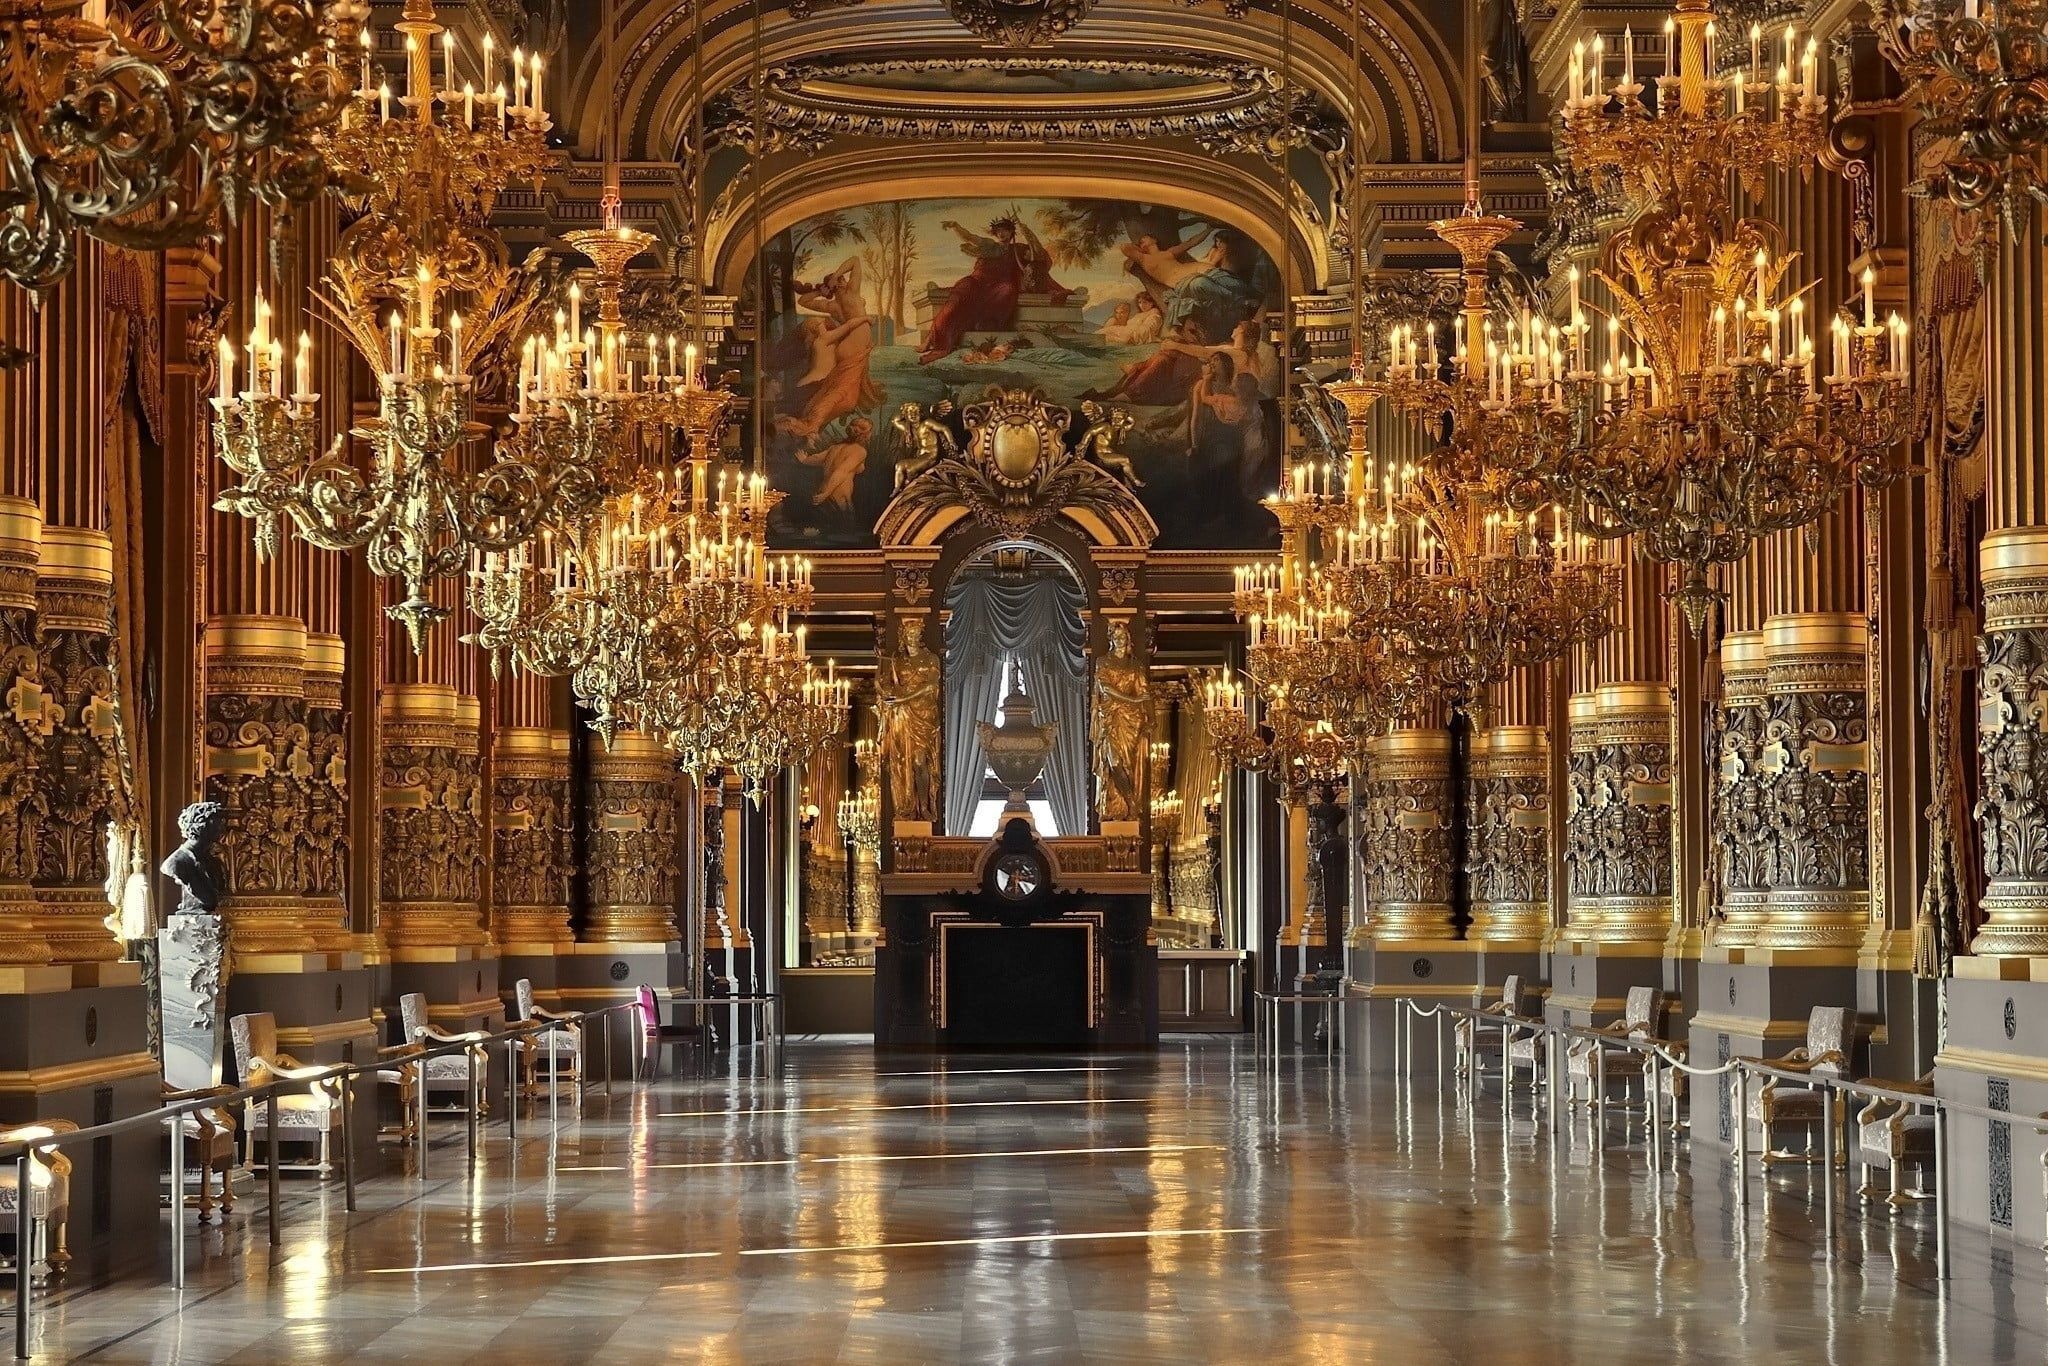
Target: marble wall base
461 986
1496 961
1387 973
543 969
1590 982
1908 1007
1748 1008
1996 1057
83 1055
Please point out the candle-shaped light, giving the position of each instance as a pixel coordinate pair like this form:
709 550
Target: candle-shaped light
302 370
226 377
1869 297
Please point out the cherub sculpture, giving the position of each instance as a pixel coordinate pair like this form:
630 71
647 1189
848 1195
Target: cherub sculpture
192 865
929 438
1104 441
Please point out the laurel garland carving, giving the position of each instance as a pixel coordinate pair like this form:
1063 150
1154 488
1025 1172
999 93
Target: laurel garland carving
632 858
79 776
1817 796
258 767
2012 748
1404 840
431 826
1508 851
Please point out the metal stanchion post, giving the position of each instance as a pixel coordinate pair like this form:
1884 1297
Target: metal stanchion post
1940 1194
604 1026
1507 1083
512 1088
473 1100
24 1260
1654 1102
419 1093
177 1203
270 1173
1599 1093
1742 1137
1827 1160
348 1144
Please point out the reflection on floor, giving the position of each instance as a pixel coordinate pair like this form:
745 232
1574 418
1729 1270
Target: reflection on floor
1182 1208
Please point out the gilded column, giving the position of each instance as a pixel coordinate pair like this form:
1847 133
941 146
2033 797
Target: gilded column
1628 831
323 841
1405 833
531 846
1507 856
631 827
2012 809
1743 838
21 730
78 787
1581 848
431 873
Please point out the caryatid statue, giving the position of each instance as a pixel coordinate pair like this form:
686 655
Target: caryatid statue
907 703
1123 725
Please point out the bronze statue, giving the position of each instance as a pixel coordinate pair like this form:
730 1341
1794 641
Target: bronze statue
1123 721
907 702
192 865
1104 441
929 438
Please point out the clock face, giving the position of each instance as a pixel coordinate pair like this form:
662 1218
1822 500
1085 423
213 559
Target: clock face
1018 876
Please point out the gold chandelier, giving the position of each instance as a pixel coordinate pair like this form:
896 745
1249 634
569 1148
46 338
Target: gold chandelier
428 166
1451 557
143 131
1982 70
1703 424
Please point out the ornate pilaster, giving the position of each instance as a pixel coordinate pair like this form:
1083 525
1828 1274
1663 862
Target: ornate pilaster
1405 838
22 732
431 828
78 782
1744 836
633 868
1816 785
1630 819
2012 747
323 840
531 856
1507 855
259 766
1581 847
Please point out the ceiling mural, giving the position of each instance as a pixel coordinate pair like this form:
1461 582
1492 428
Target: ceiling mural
886 317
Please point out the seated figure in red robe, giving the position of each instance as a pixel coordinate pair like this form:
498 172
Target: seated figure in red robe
985 298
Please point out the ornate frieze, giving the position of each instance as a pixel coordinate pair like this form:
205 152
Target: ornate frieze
1625 843
1404 836
1507 848
1816 782
430 869
258 767
2012 746
633 851
78 778
1743 835
531 857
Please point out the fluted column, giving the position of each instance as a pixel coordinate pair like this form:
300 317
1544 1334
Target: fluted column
1405 833
2012 804
1507 856
531 826
631 831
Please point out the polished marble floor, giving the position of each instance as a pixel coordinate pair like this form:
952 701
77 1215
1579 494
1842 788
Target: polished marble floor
1183 1207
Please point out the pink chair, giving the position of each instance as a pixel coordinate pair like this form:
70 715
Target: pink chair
655 1035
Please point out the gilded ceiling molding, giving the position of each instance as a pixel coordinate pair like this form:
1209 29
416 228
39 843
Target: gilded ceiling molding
1411 106
1230 193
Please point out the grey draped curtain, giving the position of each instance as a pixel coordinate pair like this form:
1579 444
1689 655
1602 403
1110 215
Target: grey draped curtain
1037 622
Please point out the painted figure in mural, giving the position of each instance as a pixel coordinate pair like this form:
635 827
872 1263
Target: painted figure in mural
837 339
192 865
1213 293
985 299
1123 723
1104 441
929 438
842 462
907 704
1134 322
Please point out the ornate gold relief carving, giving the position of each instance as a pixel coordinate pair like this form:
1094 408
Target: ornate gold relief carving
22 730
1508 848
2012 744
430 873
78 778
632 850
1404 835
1743 833
531 857
323 840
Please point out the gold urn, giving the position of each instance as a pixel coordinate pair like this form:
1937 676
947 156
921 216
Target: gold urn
1017 748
